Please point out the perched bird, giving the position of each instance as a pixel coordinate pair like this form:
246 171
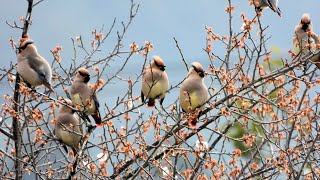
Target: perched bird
304 39
83 95
155 82
272 4
32 67
67 128
193 92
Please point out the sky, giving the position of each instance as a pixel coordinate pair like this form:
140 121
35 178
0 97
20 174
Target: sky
54 22
158 21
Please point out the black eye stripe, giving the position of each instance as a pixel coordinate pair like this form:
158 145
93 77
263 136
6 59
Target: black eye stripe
83 74
159 66
156 63
197 70
302 22
25 45
201 74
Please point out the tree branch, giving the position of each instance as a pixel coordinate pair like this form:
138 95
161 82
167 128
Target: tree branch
16 120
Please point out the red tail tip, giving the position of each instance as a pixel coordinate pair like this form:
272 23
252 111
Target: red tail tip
151 103
99 125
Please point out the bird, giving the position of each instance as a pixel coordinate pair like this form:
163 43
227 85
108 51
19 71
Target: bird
83 95
155 82
272 4
193 92
304 39
67 127
32 67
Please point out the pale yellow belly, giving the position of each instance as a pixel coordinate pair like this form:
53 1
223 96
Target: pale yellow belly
155 90
69 138
88 108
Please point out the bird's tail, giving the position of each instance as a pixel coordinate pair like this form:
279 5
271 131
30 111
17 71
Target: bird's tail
151 102
279 14
278 11
97 118
48 85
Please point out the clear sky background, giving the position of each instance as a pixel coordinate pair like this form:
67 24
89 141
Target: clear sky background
158 21
54 22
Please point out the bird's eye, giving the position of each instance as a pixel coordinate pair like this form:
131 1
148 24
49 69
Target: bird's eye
162 68
306 23
201 74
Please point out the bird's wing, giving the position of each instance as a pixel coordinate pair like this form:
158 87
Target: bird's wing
315 38
269 4
37 66
97 115
142 97
273 6
95 100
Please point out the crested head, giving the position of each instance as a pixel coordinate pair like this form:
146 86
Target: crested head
306 18
197 69
64 108
197 66
26 44
83 75
83 71
68 102
305 22
158 62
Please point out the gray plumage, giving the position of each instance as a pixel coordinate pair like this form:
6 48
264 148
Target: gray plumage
155 82
67 128
301 37
32 67
304 39
272 4
193 92
81 94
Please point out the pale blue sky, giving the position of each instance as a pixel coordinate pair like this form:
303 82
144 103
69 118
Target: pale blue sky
54 22
158 21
